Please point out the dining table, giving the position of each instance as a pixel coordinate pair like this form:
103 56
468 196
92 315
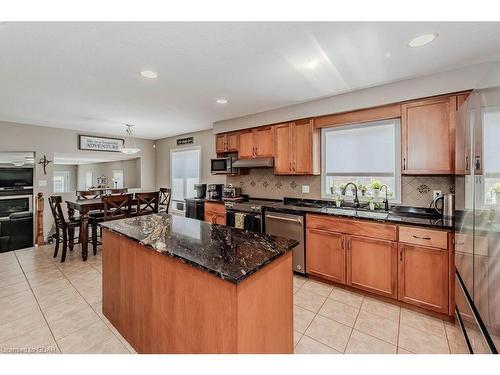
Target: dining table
84 207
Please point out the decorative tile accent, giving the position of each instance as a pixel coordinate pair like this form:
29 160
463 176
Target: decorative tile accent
286 186
422 189
265 184
452 190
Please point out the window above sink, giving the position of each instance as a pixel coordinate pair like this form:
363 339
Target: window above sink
362 154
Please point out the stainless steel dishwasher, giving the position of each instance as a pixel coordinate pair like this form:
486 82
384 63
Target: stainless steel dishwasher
289 226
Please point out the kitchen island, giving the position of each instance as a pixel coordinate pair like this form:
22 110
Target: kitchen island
178 285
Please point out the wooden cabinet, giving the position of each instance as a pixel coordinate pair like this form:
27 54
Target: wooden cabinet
215 213
372 265
428 136
423 277
226 142
256 143
325 255
296 148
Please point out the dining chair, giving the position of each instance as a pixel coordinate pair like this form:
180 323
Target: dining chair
147 203
89 194
115 207
116 191
165 194
65 229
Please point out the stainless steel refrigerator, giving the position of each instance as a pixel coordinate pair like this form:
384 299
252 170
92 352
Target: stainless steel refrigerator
477 222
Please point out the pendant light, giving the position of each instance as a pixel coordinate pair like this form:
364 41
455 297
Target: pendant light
132 149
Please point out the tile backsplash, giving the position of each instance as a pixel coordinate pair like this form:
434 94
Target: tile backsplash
262 183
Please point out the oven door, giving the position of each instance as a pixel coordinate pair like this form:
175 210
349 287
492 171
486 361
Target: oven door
252 222
220 166
15 203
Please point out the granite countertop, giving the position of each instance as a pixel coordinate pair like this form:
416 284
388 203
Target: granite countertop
229 253
377 215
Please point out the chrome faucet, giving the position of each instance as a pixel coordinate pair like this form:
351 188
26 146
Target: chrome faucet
355 200
386 201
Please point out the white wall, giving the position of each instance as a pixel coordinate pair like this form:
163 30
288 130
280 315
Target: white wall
204 139
441 83
48 141
130 168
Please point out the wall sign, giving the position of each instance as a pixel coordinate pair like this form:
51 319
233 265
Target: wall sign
185 141
87 142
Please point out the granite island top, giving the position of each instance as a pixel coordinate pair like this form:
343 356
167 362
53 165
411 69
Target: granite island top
228 253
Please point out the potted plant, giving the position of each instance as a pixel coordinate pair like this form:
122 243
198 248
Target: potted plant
338 200
376 185
496 190
362 189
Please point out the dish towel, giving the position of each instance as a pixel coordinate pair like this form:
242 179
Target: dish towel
239 220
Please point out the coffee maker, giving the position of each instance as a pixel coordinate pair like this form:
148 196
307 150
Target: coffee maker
214 191
200 191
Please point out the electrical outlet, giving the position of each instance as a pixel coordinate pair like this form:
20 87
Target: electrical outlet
42 182
436 193
305 189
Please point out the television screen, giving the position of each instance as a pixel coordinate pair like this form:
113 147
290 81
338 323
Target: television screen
16 177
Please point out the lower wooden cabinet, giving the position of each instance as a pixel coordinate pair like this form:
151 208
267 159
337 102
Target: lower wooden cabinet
326 255
372 265
215 213
424 277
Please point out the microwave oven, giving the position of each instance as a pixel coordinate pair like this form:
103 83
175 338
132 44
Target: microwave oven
223 165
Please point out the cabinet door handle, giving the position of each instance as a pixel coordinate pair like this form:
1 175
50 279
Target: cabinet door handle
421 238
401 254
294 166
290 167
404 164
467 163
342 244
478 163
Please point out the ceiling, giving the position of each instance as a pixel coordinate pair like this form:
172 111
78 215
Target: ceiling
85 76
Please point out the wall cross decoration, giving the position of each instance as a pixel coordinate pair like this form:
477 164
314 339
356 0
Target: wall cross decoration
44 161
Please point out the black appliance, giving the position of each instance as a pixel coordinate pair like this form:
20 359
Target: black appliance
16 231
16 178
223 165
250 210
214 191
201 191
195 208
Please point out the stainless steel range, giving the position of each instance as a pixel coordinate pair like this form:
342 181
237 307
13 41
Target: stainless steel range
245 214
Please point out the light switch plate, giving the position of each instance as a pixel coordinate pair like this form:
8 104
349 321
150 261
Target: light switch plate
305 189
42 182
436 193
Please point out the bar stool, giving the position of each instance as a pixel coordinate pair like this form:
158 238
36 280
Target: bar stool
147 203
66 226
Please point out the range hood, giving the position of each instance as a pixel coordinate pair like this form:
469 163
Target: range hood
254 163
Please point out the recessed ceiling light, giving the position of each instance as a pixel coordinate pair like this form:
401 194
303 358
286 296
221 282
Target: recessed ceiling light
221 101
422 40
387 55
149 74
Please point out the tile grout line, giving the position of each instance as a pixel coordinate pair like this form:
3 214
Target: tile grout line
74 287
354 324
36 300
98 315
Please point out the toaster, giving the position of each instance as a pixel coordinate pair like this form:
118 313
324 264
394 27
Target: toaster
231 192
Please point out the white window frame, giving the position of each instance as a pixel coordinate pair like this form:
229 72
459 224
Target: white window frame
174 150
396 198
118 171
91 179
66 181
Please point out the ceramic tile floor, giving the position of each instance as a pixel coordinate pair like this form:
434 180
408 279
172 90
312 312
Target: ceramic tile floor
52 307
332 320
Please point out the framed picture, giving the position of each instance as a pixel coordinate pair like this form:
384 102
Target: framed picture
91 143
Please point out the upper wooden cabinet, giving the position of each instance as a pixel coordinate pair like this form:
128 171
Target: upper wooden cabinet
256 143
296 148
226 142
428 136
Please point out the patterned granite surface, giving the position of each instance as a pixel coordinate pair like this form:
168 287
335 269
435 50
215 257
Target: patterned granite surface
229 253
